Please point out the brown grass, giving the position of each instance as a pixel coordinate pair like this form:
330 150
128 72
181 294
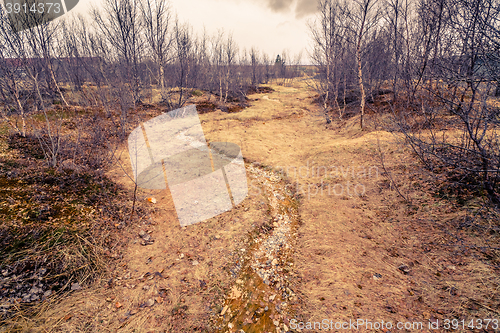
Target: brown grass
366 254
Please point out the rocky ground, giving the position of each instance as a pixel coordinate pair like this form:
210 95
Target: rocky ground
261 298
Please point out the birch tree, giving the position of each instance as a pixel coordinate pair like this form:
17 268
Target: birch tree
156 18
364 17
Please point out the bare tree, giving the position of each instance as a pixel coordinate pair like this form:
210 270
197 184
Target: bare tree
40 41
204 66
254 60
394 9
461 80
183 40
156 19
364 17
217 62
333 42
267 63
121 27
12 54
230 52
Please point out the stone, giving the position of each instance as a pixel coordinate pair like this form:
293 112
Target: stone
75 286
150 302
404 269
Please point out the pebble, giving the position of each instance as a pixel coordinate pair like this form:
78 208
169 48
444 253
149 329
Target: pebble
150 302
35 290
271 247
405 269
75 286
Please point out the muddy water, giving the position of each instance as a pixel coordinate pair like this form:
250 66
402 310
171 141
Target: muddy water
259 300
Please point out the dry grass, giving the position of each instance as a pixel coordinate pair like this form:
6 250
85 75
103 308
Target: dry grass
365 254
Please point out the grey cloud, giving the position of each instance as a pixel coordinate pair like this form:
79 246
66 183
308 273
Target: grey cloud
279 5
306 7
300 7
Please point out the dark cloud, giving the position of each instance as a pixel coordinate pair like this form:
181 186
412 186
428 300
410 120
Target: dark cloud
306 7
301 7
279 5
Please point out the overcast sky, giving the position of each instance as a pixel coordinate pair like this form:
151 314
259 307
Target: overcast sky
269 25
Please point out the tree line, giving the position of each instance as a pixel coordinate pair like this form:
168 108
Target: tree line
124 53
439 60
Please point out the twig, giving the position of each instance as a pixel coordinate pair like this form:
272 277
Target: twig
484 306
134 200
388 174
